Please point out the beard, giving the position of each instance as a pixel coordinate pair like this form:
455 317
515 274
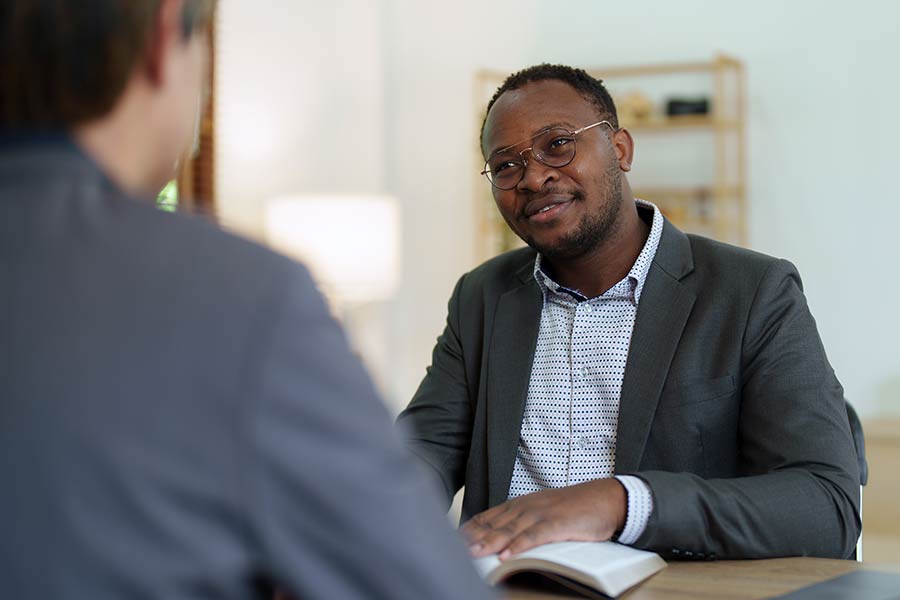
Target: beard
593 230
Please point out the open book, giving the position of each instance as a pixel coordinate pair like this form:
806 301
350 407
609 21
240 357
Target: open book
587 567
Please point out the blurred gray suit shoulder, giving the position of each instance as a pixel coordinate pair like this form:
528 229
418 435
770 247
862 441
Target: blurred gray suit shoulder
181 418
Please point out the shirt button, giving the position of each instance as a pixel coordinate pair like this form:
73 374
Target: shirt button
582 443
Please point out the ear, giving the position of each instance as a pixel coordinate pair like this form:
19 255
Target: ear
164 38
624 145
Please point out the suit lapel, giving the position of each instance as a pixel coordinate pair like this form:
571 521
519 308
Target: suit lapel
663 311
512 346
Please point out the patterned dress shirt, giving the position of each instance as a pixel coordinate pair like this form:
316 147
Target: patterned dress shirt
568 433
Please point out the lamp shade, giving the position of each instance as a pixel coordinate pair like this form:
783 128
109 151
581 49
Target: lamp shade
350 243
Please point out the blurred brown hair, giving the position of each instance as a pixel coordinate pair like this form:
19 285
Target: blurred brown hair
63 62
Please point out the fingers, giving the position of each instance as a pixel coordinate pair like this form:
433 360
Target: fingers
591 511
518 535
541 532
490 532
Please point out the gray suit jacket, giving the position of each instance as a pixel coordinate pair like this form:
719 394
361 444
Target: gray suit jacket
180 417
729 409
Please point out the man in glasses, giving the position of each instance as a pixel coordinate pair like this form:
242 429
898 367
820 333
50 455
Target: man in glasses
179 415
619 379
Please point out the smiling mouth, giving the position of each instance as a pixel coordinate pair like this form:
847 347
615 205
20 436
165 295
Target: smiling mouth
546 210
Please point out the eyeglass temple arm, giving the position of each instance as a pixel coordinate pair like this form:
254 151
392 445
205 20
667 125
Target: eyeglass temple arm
586 127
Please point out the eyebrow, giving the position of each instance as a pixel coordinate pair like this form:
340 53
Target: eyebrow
559 124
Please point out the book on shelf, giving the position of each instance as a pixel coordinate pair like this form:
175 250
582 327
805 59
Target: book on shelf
595 569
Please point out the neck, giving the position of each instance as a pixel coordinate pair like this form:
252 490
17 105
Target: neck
122 143
594 272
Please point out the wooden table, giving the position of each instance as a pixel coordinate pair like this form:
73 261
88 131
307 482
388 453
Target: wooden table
725 580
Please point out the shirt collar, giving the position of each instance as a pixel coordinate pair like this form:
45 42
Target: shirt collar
631 286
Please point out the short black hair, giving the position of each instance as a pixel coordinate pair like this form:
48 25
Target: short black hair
66 62
590 87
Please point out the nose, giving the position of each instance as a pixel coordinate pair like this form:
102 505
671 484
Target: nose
535 174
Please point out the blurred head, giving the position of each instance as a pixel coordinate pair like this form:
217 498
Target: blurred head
66 62
557 159
69 64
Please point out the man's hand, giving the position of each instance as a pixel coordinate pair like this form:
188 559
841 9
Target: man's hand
592 512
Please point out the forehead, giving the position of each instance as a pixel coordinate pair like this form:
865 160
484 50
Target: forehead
518 114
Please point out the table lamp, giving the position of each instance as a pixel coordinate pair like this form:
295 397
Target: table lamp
351 245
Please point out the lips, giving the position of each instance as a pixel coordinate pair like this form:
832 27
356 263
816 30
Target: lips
545 205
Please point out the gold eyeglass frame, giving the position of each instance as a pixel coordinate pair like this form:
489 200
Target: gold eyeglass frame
521 153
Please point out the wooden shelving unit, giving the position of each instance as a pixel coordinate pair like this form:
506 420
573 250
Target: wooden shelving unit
196 175
713 203
715 206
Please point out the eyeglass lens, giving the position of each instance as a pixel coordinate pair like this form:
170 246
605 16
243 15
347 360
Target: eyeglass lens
554 148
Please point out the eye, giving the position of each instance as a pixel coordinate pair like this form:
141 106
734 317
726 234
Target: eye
556 144
503 165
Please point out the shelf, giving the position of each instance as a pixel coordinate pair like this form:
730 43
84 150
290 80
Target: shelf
720 61
711 66
681 123
691 192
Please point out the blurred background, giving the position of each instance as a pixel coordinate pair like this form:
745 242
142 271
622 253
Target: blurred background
373 107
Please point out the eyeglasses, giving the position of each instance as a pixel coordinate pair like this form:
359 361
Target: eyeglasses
554 147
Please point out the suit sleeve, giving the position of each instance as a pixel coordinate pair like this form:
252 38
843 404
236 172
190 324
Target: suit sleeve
799 489
337 507
437 424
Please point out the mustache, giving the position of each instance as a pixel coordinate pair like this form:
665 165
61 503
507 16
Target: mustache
553 191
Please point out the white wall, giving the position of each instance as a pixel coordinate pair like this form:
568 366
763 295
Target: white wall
300 103
397 76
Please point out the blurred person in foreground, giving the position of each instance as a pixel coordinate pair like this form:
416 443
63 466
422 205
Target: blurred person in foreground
179 416
620 379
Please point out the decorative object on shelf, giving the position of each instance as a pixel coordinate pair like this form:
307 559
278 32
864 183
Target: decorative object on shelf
698 179
687 106
634 107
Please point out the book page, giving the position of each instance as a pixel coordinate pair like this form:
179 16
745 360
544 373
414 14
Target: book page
593 557
606 566
486 564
